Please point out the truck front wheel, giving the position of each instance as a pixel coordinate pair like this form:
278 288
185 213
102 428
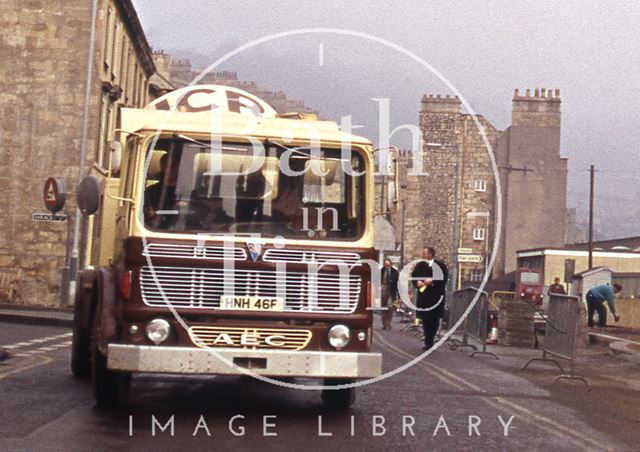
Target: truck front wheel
80 348
341 398
81 341
109 388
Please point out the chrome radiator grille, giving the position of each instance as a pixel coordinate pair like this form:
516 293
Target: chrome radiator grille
194 251
306 256
203 287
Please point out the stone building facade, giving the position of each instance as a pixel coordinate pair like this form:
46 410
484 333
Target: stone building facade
45 45
454 207
180 73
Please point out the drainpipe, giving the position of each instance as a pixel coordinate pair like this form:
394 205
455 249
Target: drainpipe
73 260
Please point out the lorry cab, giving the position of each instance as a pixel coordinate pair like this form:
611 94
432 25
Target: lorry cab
228 240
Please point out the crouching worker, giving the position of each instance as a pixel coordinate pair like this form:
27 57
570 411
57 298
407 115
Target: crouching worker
595 303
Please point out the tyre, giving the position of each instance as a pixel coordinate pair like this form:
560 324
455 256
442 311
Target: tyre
110 388
80 346
81 353
339 399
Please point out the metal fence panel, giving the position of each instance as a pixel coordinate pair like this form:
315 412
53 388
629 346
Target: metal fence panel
457 306
477 320
562 328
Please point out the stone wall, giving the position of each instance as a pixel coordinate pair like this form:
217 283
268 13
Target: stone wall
42 97
41 93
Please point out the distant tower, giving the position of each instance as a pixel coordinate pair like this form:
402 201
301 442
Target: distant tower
446 207
533 176
430 199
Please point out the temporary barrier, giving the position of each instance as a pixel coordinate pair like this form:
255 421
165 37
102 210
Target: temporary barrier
476 323
498 296
563 319
458 304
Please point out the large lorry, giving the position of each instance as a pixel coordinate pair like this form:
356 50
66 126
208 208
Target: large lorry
227 239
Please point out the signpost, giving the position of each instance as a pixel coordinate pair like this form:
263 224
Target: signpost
54 196
470 258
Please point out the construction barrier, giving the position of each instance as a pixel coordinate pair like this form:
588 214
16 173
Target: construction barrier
457 305
498 296
475 325
563 320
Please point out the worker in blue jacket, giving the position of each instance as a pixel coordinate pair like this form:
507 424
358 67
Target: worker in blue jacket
596 297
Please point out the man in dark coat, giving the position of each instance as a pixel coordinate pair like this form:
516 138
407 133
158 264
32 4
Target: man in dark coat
556 287
429 277
389 292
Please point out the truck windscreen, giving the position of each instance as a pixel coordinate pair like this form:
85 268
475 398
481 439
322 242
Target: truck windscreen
232 188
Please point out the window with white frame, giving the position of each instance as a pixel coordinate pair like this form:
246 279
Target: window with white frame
478 234
476 275
480 185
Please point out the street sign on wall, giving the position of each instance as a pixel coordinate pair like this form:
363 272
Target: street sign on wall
48 217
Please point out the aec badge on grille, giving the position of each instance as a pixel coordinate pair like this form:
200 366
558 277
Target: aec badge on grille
255 248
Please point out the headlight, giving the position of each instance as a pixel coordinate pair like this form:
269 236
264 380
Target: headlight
158 330
339 336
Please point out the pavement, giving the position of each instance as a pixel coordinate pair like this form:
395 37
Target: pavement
36 315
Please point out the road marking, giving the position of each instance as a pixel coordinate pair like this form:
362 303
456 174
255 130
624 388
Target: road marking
48 348
35 341
18 345
448 378
40 360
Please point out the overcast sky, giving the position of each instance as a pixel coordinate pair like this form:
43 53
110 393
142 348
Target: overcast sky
590 50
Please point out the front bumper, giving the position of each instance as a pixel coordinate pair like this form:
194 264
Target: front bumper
227 361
